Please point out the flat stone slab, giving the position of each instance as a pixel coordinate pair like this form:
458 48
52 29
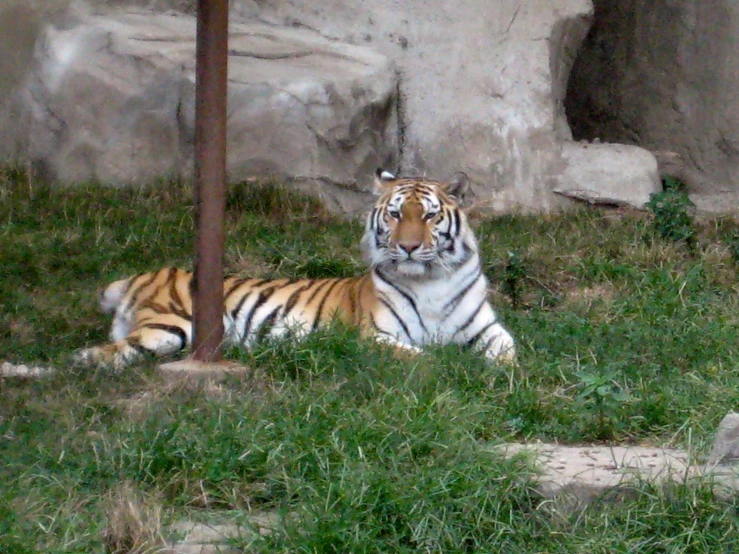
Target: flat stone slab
23 371
197 370
200 538
216 538
596 469
588 472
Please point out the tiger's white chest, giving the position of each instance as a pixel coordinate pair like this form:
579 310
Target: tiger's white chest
431 311
436 327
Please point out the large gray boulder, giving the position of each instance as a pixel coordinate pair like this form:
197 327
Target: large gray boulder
111 98
725 448
608 174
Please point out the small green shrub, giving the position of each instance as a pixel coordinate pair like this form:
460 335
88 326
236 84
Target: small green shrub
732 243
672 217
601 398
513 276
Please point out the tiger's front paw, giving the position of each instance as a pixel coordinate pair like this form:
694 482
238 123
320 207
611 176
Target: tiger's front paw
98 356
87 357
502 350
508 356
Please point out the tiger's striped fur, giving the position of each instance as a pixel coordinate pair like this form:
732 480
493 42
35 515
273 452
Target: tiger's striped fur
424 285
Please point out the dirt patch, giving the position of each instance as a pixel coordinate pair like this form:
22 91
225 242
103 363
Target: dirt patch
589 295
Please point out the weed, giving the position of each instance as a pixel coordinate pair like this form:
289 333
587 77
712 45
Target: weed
672 217
733 245
601 397
513 276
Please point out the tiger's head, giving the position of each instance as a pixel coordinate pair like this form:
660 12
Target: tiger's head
416 228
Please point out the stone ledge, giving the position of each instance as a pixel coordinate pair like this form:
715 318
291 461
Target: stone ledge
23 371
202 538
585 473
200 371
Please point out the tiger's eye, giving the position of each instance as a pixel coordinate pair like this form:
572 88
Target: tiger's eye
394 214
430 215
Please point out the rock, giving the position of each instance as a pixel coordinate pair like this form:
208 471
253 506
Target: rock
23 371
201 538
717 202
664 75
725 448
111 98
613 174
577 475
189 369
725 480
482 84
588 472
481 90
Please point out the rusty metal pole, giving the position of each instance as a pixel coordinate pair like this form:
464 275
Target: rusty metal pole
211 78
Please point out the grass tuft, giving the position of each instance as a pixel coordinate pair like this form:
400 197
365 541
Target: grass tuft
134 523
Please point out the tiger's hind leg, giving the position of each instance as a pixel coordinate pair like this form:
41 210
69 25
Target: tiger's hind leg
159 339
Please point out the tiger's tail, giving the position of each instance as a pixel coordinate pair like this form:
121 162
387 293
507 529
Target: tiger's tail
112 295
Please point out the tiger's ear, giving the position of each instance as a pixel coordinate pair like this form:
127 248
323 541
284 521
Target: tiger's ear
457 186
382 178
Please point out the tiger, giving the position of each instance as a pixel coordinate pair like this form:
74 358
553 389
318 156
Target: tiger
424 284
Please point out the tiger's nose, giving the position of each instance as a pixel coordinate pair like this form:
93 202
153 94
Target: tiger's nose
410 245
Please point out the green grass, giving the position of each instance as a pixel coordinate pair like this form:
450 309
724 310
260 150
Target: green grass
624 335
